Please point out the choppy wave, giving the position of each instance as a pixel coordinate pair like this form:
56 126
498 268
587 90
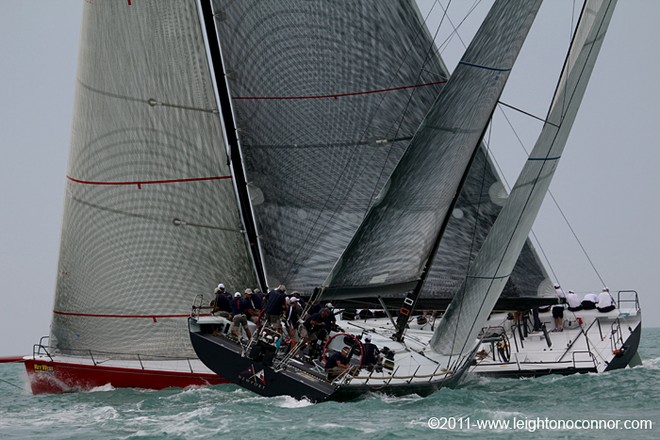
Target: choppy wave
227 411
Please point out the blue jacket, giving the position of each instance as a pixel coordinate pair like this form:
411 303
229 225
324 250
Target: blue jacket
237 306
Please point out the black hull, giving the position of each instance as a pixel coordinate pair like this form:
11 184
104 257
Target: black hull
223 356
630 347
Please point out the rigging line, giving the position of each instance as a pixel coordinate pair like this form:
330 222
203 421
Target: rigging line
576 238
545 121
335 95
344 170
455 28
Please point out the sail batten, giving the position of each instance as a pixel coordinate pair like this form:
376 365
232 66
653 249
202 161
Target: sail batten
474 301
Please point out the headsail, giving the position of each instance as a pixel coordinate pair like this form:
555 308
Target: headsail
150 218
392 246
492 267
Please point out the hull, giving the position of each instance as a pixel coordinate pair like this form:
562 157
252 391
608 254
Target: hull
629 351
591 342
253 368
71 374
220 354
615 363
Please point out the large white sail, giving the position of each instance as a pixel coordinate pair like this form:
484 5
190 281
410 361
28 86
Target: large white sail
492 267
393 245
151 218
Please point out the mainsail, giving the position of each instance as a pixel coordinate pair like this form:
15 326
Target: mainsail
327 97
492 267
392 247
151 218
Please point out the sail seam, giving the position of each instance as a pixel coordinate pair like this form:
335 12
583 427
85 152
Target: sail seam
100 315
480 66
544 158
488 278
371 142
335 95
139 183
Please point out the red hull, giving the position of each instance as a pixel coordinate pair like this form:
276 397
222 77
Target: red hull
60 377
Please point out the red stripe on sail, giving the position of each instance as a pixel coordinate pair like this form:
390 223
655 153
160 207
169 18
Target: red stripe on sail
336 95
103 315
147 182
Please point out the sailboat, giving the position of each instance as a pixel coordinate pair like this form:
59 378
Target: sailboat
150 215
162 200
202 154
412 212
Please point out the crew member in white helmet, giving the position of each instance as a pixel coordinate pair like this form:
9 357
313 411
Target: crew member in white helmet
605 301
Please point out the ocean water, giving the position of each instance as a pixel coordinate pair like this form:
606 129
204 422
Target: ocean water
550 407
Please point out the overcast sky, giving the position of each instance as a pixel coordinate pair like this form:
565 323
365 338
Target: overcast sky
606 183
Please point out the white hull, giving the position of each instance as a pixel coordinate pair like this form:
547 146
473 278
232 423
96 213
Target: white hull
590 341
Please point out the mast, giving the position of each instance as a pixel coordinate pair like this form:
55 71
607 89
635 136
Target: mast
234 154
491 269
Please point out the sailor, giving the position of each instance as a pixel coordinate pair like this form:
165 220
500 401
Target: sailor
558 310
589 301
292 316
237 304
315 325
315 307
251 305
371 354
296 294
330 320
239 320
338 363
573 302
221 306
260 295
275 305
605 301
